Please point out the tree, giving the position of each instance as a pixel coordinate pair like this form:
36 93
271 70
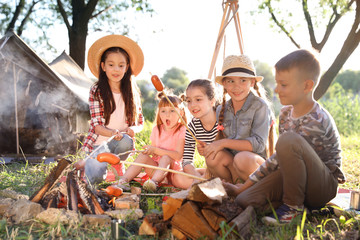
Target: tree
175 79
349 80
324 11
265 70
78 16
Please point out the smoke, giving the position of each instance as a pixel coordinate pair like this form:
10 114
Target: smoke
37 103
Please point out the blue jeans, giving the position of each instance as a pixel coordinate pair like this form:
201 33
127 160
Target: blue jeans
95 171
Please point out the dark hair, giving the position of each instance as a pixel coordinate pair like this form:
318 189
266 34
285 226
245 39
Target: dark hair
303 60
128 89
163 102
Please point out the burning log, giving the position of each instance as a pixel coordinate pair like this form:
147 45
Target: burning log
50 180
72 194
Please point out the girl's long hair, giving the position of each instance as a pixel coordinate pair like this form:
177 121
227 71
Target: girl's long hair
258 90
163 102
128 88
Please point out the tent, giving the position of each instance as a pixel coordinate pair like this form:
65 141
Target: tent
43 107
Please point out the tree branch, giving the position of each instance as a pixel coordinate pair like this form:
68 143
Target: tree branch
26 18
102 11
281 26
17 12
63 14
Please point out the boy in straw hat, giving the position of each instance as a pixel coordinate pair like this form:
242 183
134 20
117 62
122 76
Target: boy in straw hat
305 170
243 123
114 101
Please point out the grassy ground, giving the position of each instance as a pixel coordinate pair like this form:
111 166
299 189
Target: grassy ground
26 179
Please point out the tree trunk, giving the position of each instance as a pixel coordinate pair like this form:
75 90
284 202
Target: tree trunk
78 45
349 46
82 13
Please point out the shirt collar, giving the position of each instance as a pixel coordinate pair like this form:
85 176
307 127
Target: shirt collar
245 107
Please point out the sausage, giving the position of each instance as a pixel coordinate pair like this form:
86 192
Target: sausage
108 157
159 86
113 191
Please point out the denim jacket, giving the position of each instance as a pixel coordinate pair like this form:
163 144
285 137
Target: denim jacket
251 122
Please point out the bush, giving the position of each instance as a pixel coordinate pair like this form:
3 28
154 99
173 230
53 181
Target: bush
345 109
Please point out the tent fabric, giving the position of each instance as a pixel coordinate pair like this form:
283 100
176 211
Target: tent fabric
41 110
72 75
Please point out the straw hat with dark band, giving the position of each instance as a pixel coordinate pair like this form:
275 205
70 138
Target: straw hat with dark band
102 44
238 66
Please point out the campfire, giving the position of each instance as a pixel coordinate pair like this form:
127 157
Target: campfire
63 188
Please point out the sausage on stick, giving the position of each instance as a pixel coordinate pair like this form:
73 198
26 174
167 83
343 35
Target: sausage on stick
159 86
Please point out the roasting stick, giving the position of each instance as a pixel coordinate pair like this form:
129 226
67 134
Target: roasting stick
114 159
159 86
163 169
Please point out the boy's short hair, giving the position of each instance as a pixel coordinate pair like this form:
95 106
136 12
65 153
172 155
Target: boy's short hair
305 61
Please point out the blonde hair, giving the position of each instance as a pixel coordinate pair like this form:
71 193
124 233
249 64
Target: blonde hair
163 102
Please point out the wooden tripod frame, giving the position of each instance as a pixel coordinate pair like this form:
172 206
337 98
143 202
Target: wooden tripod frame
231 6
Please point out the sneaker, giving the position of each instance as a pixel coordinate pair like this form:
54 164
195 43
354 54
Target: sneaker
149 185
124 184
283 215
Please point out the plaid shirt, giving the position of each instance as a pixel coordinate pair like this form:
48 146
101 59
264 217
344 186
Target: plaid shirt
97 118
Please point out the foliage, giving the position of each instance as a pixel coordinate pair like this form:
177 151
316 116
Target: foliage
148 102
344 108
175 79
349 80
36 21
265 70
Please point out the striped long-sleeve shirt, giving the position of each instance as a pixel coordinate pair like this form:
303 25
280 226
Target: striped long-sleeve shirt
201 134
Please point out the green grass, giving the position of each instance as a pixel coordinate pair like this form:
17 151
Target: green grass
26 179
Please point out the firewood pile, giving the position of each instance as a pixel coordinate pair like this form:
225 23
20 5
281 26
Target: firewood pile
198 212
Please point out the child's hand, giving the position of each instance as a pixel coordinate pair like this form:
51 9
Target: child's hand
200 147
231 189
212 149
79 164
130 132
149 150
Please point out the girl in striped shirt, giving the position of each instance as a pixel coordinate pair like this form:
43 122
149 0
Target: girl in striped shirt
200 99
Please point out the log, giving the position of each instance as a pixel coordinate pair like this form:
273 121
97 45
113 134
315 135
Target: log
189 220
244 221
177 234
153 224
212 218
210 191
50 180
227 209
170 206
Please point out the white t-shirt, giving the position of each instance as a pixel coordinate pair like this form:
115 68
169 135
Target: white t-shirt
117 118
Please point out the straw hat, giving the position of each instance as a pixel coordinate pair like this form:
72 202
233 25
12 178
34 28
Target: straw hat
238 66
102 44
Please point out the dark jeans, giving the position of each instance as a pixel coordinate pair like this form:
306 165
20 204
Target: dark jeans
302 178
95 171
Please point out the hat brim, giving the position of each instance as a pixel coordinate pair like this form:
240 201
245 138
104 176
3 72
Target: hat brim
101 45
219 79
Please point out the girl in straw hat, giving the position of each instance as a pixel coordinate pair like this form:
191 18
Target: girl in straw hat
243 121
114 101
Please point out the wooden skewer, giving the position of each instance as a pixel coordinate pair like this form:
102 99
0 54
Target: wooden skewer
163 169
